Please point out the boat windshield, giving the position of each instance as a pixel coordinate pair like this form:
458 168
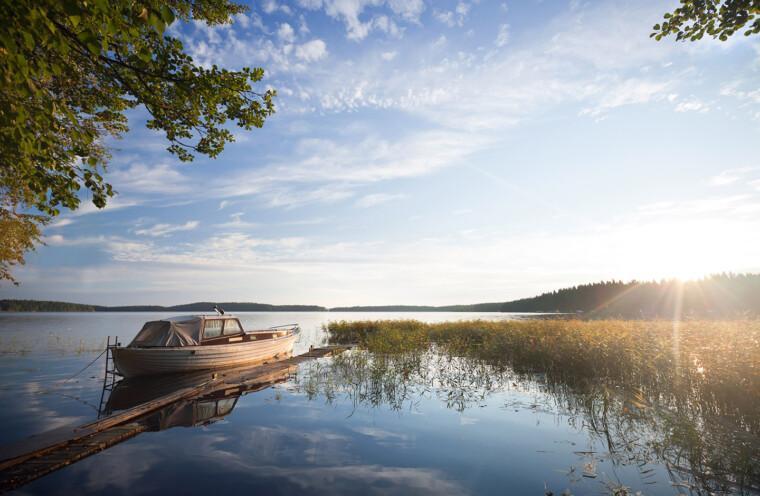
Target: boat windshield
212 329
232 326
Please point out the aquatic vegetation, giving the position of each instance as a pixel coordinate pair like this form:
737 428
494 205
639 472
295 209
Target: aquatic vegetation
718 358
685 395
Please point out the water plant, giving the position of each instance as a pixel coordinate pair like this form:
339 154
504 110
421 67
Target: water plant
683 394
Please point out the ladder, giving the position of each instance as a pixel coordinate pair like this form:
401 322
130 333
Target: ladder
110 377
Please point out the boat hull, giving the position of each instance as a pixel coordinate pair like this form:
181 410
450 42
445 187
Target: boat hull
134 362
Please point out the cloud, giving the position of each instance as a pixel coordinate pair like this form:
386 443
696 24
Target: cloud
328 170
692 105
446 17
350 12
376 199
286 33
231 250
388 56
159 230
410 10
731 176
462 9
491 90
629 92
502 38
142 178
236 222
454 17
312 50
116 203
61 223
271 6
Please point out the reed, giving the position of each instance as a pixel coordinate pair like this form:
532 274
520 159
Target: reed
691 388
721 356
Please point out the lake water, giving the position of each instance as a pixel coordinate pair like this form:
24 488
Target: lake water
354 424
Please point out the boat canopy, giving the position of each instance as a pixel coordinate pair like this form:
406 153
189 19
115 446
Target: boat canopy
175 331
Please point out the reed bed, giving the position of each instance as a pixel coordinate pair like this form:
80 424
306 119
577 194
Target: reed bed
722 355
694 386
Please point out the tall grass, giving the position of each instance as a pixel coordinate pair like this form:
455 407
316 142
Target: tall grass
722 355
695 385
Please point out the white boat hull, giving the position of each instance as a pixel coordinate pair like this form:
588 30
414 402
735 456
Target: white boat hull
133 362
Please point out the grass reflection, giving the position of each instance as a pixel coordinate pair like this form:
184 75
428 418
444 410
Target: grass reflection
688 401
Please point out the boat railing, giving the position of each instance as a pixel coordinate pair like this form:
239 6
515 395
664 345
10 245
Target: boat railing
294 327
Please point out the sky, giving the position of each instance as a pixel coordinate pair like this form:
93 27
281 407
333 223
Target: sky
433 152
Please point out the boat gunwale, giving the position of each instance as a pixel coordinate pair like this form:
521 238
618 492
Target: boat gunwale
210 346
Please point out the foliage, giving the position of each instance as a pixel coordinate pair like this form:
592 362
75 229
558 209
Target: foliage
19 232
717 296
69 71
717 18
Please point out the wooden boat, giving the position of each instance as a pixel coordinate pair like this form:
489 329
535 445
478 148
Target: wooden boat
200 342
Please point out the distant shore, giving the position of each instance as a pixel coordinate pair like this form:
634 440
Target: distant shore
720 296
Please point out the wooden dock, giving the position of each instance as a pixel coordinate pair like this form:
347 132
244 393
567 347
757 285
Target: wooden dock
40 455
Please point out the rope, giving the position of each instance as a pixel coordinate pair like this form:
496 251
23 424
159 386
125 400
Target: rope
86 366
53 388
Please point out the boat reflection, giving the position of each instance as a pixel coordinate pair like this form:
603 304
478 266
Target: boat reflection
217 401
138 405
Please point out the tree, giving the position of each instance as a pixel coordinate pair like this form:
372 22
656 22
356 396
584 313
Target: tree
70 69
717 18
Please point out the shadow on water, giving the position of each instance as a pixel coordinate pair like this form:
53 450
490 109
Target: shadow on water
693 411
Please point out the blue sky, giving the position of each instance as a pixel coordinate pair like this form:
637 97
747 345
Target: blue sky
433 153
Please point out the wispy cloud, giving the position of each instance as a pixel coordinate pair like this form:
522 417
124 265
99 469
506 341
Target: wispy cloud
376 199
328 170
61 223
159 230
143 178
731 176
629 92
236 222
502 38
692 105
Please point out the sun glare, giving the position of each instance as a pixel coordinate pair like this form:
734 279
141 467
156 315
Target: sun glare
684 251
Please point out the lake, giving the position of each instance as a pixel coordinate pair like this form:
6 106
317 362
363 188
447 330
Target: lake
361 422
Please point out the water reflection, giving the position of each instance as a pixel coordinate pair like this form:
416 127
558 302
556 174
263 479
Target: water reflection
705 442
217 401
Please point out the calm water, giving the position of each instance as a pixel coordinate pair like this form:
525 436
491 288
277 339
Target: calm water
357 423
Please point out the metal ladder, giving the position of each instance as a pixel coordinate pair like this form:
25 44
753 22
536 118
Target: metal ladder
110 377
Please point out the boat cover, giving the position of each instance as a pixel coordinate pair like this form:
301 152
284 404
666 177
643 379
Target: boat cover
171 332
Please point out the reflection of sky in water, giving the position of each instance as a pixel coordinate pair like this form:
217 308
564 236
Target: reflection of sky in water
278 441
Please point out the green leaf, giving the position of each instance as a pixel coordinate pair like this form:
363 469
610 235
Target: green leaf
167 14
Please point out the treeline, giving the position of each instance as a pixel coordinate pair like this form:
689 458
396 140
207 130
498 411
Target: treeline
43 306
717 296
59 306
